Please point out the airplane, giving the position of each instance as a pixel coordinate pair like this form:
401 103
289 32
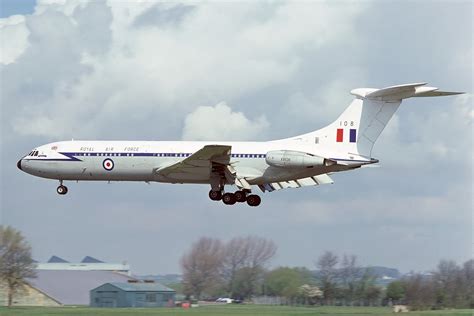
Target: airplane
304 160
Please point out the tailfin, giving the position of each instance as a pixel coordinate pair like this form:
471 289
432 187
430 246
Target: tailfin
355 131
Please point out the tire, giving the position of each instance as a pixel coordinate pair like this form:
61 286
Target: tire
62 190
215 195
254 200
240 196
229 198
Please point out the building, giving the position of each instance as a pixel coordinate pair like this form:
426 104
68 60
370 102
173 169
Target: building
28 296
132 294
71 287
86 264
61 287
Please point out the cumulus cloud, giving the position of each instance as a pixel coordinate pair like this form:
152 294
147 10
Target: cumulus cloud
14 38
219 122
89 64
435 138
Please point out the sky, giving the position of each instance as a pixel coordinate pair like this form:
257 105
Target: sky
149 70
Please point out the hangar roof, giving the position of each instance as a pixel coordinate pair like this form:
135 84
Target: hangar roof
141 287
56 259
89 259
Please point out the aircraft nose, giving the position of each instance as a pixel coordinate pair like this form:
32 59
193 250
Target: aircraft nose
18 164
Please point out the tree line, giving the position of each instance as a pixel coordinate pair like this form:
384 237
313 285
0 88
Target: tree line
449 286
238 269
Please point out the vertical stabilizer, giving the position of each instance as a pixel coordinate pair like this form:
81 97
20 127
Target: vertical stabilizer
357 129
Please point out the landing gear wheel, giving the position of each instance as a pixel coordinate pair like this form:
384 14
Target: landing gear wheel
229 198
215 195
240 196
62 189
253 200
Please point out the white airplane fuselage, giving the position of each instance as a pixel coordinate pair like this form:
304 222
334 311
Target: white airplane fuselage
140 161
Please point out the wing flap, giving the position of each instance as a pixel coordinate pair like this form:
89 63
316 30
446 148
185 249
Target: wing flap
297 183
323 179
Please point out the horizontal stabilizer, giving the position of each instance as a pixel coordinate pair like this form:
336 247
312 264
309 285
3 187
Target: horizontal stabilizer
436 93
399 92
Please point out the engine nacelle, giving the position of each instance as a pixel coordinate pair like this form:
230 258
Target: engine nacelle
293 159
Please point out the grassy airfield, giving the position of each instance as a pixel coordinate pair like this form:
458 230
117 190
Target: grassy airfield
233 310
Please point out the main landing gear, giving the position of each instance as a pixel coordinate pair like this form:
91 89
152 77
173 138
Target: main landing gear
232 198
61 189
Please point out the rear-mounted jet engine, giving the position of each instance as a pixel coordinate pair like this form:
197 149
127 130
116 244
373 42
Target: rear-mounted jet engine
295 159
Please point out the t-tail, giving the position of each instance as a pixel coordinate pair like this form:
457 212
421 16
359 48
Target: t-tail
355 132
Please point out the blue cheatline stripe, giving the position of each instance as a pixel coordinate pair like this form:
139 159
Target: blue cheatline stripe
72 156
352 135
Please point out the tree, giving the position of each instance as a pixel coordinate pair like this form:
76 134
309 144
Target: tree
16 264
201 266
327 274
286 281
236 255
349 274
244 264
449 283
247 282
310 293
364 287
468 277
420 292
395 291
372 294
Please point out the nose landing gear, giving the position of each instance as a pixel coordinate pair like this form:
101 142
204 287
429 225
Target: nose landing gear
61 189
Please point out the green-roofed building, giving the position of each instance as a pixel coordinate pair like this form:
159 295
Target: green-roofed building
132 294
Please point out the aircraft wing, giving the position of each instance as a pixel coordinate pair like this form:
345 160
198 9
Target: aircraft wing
297 183
198 164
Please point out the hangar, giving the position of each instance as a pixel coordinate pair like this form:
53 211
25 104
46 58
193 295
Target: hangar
59 282
132 294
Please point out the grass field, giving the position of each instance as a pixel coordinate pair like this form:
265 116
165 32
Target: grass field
232 310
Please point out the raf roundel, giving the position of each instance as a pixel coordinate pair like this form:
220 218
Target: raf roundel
108 164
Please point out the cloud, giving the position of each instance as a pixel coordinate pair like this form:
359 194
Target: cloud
14 38
221 123
163 14
433 136
89 64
